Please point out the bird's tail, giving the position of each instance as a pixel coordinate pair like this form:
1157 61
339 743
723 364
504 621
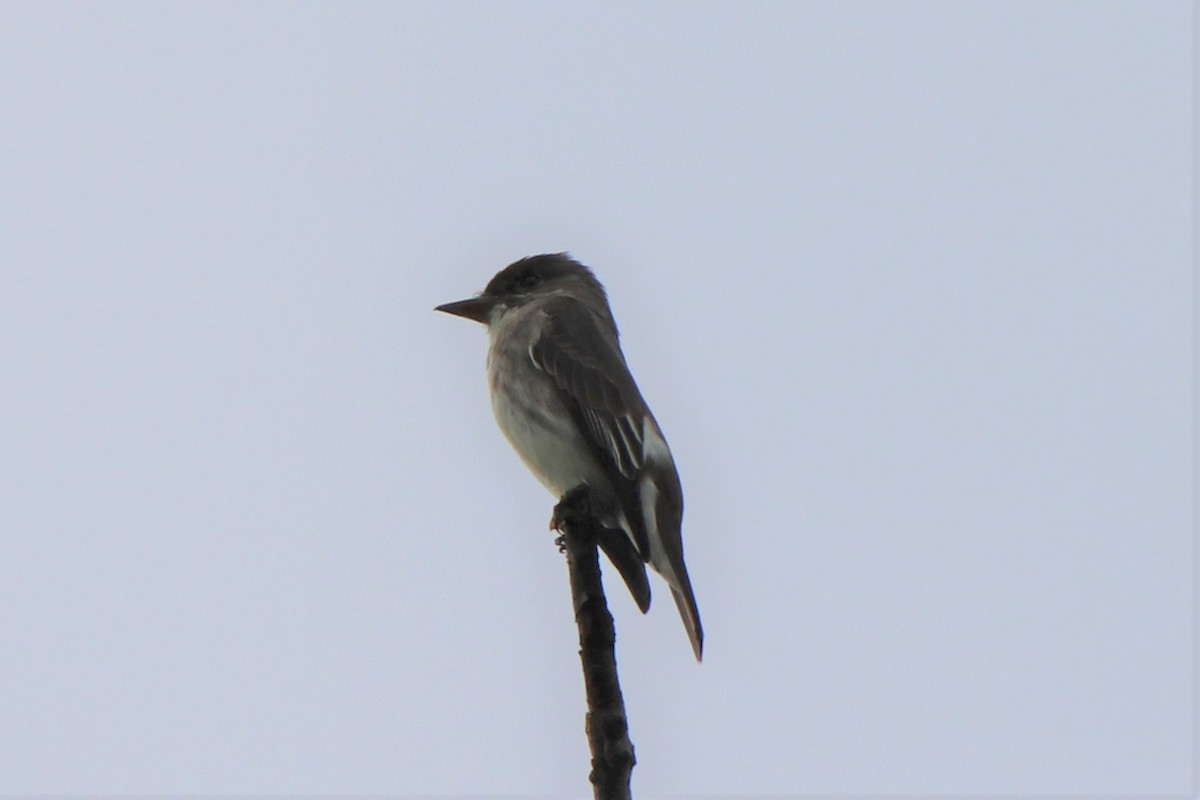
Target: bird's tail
621 551
685 601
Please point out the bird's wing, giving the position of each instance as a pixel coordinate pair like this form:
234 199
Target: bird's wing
588 367
586 364
585 361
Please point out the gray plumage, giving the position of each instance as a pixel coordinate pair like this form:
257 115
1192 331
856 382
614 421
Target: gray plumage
563 395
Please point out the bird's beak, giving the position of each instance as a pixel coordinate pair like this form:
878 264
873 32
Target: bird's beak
476 308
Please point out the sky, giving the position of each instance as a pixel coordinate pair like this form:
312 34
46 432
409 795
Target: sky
910 289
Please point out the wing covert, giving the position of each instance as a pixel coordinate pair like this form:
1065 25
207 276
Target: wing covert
586 363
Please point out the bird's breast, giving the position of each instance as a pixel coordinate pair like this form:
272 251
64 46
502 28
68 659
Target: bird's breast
531 412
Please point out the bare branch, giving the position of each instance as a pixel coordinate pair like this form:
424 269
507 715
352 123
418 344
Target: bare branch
607 728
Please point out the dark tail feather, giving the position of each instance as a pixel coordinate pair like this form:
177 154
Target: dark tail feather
620 550
685 601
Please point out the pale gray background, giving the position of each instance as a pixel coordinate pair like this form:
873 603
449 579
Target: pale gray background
907 284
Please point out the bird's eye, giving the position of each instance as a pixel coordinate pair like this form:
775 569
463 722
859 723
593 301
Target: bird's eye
528 280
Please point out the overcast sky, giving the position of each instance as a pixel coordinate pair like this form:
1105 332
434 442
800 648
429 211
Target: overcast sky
907 284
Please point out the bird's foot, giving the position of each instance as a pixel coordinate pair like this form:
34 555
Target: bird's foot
571 509
573 505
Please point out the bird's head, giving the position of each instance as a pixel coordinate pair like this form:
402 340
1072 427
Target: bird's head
525 280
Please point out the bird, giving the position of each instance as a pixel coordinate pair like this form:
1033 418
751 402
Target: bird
563 396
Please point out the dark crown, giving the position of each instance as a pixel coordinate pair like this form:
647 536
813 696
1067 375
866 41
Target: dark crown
528 274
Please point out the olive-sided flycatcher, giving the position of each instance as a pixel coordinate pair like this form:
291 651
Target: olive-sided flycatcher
564 397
